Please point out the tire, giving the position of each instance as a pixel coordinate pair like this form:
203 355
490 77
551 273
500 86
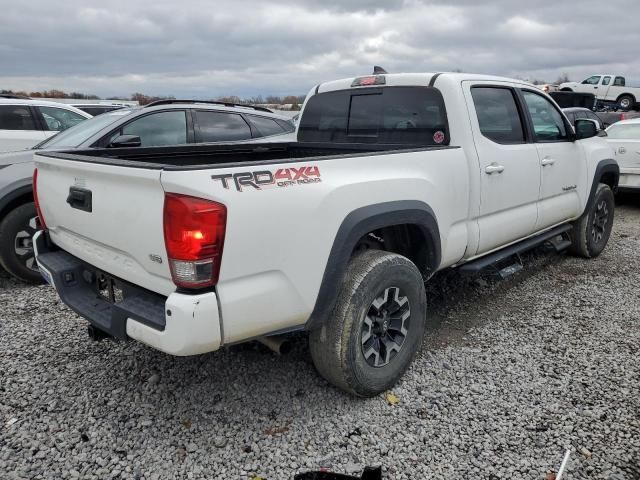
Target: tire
382 294
16 247
591 232
626 101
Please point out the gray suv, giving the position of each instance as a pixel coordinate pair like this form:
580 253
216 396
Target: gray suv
163 123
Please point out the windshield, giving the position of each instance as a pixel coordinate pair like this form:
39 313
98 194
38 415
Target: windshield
79 133
630 131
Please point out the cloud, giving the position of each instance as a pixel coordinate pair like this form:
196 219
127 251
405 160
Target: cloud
206 49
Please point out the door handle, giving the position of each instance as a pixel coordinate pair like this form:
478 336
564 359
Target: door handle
80 199
547 161
494 168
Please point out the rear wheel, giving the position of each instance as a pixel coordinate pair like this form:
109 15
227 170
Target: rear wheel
16 243
626 101
376 327
591 232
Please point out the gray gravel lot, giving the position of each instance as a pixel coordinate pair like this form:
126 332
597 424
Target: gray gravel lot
513 373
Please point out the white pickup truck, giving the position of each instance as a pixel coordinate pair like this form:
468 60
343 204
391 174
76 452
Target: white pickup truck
393 178
607 87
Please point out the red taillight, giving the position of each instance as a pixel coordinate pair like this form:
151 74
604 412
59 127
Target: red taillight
36 201
194 230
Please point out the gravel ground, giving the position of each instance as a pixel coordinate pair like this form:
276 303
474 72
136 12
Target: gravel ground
513 373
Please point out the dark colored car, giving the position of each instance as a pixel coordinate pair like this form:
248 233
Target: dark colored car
574 113
98 108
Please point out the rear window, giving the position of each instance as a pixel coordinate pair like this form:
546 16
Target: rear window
266 126
624 131
389 115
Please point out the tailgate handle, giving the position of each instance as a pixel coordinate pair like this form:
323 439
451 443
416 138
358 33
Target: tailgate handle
80 198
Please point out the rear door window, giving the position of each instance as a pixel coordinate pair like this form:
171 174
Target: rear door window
215 126
388 115
498 115
606 80
16 117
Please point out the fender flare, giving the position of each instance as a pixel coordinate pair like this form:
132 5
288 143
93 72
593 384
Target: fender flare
608 165
12 195
357 224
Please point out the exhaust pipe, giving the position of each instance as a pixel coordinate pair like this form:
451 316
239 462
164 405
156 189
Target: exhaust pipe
96 334
277 343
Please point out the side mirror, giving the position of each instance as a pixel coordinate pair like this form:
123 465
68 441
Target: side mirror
124 141
586 128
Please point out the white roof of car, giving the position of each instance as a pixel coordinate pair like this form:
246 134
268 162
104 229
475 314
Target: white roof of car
189 104
41 103
626 122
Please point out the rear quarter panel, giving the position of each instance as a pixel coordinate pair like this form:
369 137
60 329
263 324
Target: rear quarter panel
278 238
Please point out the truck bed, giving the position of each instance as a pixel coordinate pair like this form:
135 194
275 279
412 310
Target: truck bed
191 157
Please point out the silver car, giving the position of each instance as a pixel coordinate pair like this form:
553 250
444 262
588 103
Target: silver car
163 123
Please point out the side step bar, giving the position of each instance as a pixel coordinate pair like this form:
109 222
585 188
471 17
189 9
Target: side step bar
476 266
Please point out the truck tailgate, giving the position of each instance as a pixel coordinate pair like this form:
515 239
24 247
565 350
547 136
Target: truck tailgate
110 216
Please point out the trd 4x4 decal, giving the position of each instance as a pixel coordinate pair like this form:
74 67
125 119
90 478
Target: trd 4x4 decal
260 179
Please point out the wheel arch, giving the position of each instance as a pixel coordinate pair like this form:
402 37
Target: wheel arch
15 198
607 172
358 224
633 97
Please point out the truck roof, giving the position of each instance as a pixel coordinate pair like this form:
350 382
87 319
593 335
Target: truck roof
415 79
41 103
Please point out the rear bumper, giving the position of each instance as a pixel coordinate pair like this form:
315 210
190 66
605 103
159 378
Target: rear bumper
180 324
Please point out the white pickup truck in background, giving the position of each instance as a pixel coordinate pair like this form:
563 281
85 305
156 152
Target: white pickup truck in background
393 178
606 87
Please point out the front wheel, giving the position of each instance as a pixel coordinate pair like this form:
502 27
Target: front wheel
376 327
591 232
17 256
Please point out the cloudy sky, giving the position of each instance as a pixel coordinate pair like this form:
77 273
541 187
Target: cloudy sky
205 48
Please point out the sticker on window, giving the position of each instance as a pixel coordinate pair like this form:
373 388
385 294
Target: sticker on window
438 137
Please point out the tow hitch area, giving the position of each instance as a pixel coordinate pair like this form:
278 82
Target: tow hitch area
106 301
96 334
